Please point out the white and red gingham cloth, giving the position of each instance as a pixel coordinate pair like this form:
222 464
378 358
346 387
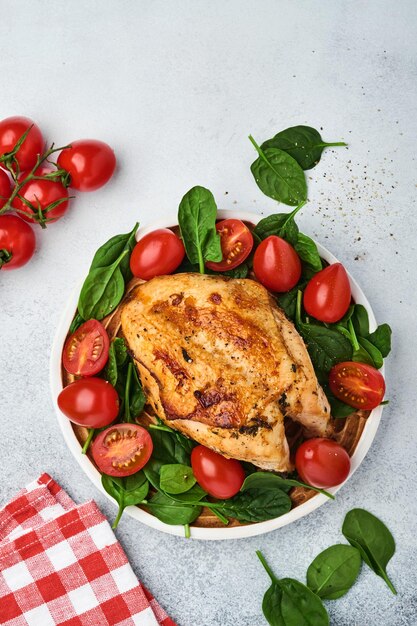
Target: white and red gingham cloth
61 564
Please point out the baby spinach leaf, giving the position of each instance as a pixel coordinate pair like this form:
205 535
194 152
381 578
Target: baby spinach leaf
102 290
172 512
373 352
167 448
126 493
117 358
193 495
176 478
381 339
137 398
303 143
197 220
241 271
372 538
288 602
267 480
109 252
288 301
308 253
76 323
254 505
360 320
325 346
334 571
337 407
279 176
362 356
280 224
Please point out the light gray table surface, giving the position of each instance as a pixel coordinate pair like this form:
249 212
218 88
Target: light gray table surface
175 88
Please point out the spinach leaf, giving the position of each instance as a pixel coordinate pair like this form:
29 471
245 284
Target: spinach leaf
102 291
288 602
193 495
308 253
334 571
360 320
372 538
109 252
279 176
279 224
337 408
254 505
197 220
303 143
172 512
126 491
325 346
117 358
241 271
360 355
288 301
168 448
381 339
373 352
176 478
267 480
76 323
137 398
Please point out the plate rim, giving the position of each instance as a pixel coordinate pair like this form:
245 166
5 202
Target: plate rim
237 532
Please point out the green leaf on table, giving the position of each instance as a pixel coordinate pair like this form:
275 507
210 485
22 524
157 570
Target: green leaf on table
334 571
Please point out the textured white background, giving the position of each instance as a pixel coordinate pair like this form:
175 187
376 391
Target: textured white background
175 88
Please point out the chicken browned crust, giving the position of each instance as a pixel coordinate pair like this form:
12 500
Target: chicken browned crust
220 362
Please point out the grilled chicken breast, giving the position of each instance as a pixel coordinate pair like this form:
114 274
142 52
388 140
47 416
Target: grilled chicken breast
220 362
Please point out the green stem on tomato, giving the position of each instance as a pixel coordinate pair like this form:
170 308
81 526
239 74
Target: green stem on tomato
86 445
5 256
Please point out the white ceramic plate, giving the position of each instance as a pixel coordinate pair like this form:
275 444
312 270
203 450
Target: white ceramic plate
204 533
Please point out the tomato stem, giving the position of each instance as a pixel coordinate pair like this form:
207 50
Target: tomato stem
5 257
86 445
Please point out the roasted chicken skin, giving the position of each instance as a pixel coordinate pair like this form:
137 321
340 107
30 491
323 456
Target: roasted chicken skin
220 362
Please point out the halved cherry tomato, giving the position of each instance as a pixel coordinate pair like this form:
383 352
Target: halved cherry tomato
358 385
17 242
276 264
158 253
86 351
327 295
222 478
90 402
237 243
5 188
122 449
90 163
11 130
322 463
41 194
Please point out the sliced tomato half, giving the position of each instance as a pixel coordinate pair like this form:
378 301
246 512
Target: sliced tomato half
122 449
86 351
236 242
358 385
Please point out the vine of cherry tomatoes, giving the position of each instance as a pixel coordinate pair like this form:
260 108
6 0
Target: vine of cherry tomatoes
34 188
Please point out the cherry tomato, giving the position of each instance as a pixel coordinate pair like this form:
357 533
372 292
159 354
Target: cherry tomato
122 449
158 253
86 351
41 194
322 463
357 384
222 478
327 295
90 163
237 243
90 402
11 130
17 242
5 188
276 264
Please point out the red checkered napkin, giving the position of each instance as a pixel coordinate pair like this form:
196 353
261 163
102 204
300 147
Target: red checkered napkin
61 564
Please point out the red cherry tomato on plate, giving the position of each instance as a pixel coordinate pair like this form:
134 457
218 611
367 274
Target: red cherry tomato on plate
122 449
222 478
322 463
17 242
90 163
237 243
5 188
41 194
357 384
327 295
86 351
11 130
276 264
90 402
158 253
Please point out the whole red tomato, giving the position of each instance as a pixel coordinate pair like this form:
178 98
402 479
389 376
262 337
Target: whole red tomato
90 402
327 295
17 242
11 130
276 264
322 463
220 477
90 163
158 253
42 194
5 188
